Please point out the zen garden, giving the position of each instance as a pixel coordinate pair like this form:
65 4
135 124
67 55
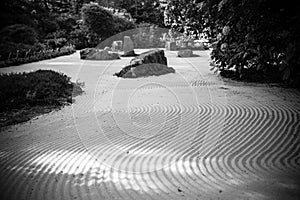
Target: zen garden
149 99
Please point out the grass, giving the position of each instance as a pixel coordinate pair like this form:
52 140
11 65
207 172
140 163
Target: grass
26 95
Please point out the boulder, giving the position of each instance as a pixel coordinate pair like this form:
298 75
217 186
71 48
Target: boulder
149 63
185 53
117 45
128 47
95 54
171 46
85 52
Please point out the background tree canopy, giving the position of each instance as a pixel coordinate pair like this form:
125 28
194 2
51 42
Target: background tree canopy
82 23
249 36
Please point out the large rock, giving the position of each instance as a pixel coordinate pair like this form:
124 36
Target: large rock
95 54
150 63
117 45
128 47
185 53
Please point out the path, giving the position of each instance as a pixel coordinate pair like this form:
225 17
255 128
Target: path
187 135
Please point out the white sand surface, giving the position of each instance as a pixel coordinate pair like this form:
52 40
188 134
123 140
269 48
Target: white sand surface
188 135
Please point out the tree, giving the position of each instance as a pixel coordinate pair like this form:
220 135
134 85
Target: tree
98 19
143 11
248 34
103 22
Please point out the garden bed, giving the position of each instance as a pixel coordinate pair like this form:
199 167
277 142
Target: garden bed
26 95
37 56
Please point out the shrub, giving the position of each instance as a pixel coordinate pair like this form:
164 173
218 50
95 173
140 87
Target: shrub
19 33
56 43
38 52
98 19
256 34
121 24
42 87
102 22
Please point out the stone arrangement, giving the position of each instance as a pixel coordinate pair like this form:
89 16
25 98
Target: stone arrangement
98 54
149 63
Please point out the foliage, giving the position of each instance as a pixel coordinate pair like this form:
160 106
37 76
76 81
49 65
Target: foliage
56 43
9 50
103 22
143 11
97 19
80 37
20 56
259 34
19 33
185 16
121 24
42 87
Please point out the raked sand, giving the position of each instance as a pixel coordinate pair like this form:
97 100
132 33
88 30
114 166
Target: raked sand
188 135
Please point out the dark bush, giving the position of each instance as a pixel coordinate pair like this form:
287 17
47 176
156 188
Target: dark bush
19 33
98 19
42 87
103 22
266 39
256 34
56 43
121 24
12 50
